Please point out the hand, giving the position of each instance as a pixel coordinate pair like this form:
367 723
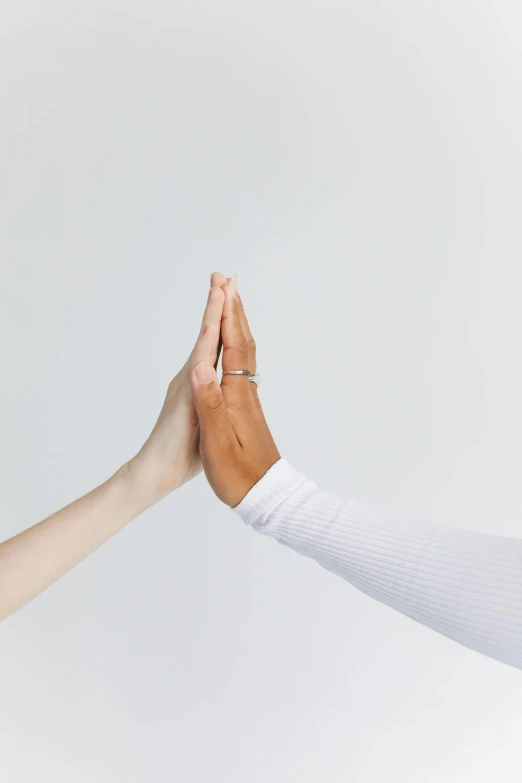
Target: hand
35 558
236 446
170 456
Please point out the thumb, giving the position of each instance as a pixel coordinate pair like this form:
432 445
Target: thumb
210 404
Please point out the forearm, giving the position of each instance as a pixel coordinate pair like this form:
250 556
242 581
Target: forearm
465 585
34 559
37 557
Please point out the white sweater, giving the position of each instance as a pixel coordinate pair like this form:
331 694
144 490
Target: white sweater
467 586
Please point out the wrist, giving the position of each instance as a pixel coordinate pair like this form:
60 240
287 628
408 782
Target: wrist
137 493
240 489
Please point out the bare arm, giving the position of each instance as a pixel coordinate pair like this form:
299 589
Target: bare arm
34 559
37 557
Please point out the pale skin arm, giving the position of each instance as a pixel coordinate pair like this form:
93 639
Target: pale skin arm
37 557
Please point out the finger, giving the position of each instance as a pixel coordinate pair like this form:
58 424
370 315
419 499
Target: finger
251 344
216 432
214 307
207 344
235 352
252 352
217 278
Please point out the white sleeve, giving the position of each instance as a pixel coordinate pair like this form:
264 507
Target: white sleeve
466 585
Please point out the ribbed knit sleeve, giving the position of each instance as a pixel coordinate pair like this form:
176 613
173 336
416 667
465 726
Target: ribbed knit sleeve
466 585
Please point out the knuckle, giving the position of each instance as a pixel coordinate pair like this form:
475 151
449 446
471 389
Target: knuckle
214 402
243 346
237 355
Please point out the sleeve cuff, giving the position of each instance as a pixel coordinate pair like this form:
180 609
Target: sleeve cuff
278 483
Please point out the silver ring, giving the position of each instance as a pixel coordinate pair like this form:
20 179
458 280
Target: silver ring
254 378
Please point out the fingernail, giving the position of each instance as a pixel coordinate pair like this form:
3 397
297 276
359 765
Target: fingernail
234 283
204 373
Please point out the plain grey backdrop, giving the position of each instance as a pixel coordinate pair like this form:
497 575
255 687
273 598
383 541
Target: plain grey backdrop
358 165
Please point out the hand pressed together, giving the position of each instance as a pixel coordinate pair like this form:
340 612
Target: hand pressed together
236 445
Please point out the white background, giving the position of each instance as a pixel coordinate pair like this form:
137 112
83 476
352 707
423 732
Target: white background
358 165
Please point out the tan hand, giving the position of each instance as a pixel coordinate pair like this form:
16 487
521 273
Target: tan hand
236 445
170 456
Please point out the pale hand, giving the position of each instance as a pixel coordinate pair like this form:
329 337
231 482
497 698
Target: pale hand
170 457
